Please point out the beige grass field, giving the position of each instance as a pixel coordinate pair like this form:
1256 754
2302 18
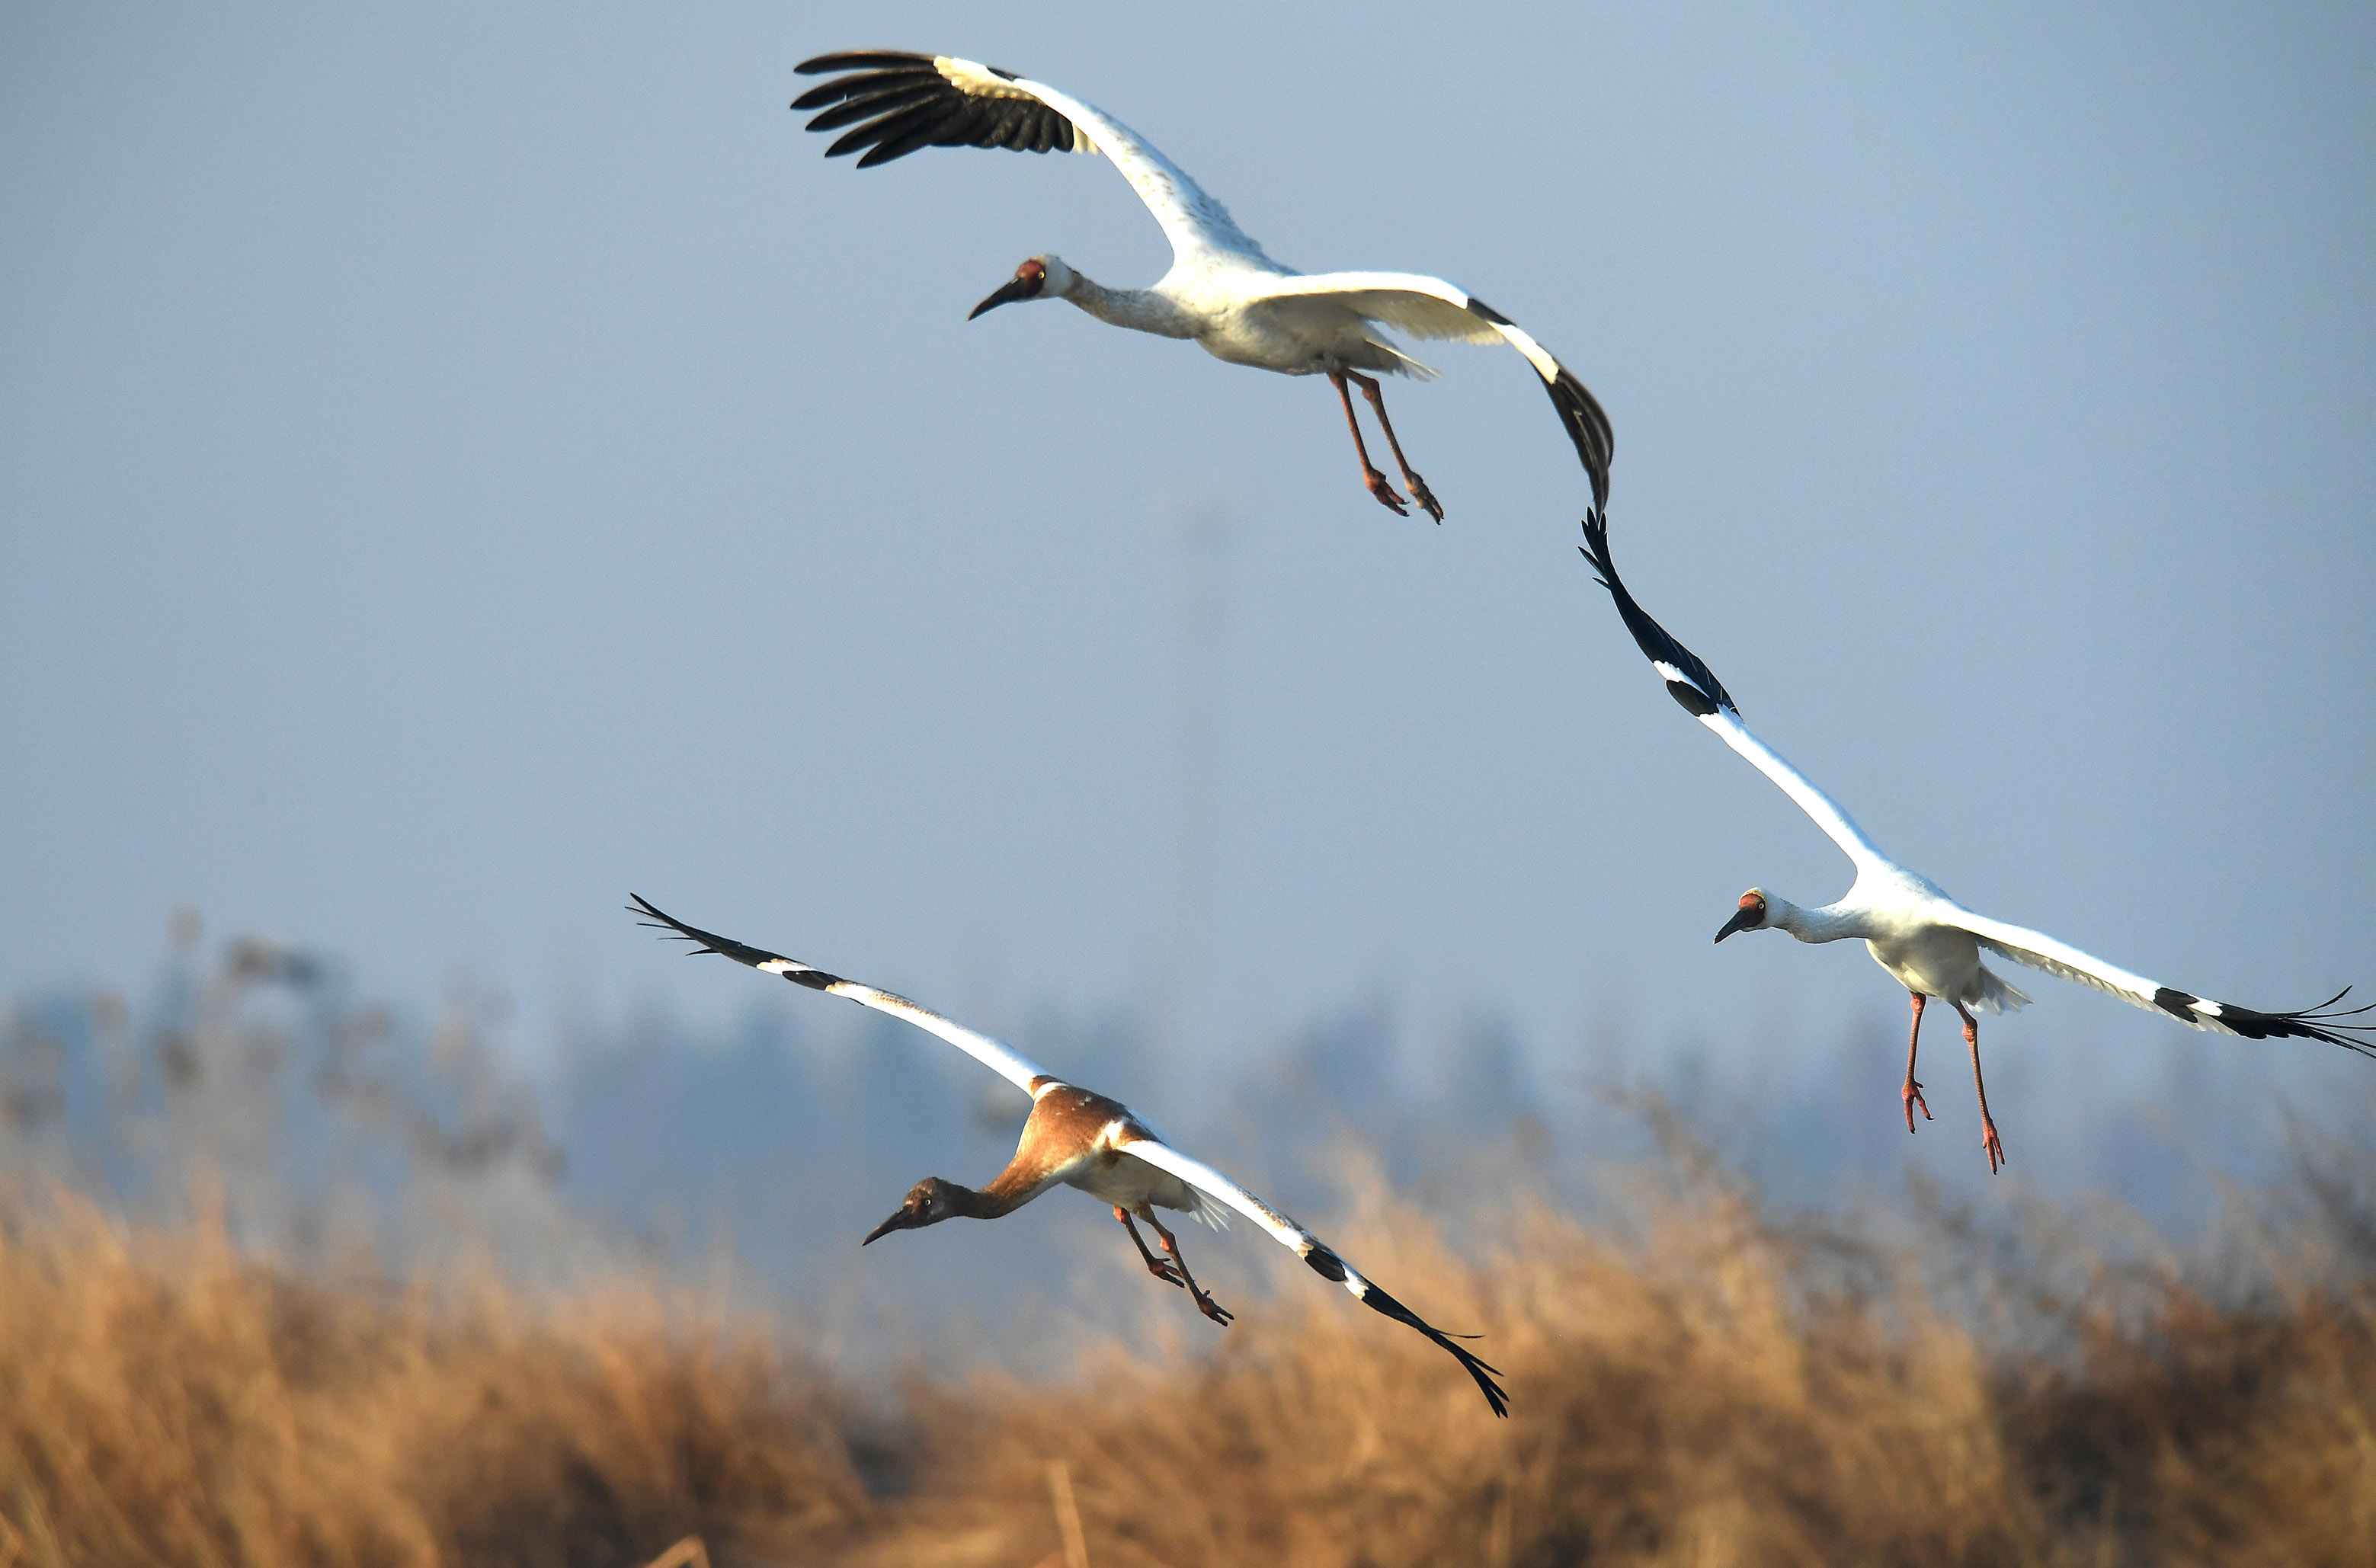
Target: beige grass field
1701 1383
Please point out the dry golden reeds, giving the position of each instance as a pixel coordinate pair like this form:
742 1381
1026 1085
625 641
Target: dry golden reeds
1714 1387
165 1401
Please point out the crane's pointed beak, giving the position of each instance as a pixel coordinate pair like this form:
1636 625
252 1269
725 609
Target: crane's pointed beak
1016 288
1743 919
903 1220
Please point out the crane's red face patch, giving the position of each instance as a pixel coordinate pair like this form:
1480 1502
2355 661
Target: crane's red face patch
1750 916
1028 280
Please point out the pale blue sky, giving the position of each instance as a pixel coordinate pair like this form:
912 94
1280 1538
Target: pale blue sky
460 463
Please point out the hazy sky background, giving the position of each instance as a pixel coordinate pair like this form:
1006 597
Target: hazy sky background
458 464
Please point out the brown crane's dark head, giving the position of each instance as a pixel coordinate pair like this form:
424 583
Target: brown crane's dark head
929 1201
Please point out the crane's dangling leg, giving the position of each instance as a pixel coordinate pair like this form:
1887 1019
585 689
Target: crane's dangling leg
1155 1265
1204 1303
1988 1124
1912 1093
1418 486
1370 478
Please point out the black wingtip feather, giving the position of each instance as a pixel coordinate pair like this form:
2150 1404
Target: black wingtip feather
1587 426
724 946
1484 1372
2323 1023
1653 639
906 104
860 60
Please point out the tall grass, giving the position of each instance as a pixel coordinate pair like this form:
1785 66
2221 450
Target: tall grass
1717 1386
165 1400
195 1368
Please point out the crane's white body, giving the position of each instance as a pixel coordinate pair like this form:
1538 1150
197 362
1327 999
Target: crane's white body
1907 922
1223 290
1929 943
1234 299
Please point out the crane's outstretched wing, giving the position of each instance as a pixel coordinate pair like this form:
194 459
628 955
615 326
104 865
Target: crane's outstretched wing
1429 307
899 103
2041 950
1315 1253
996 1055
1695 685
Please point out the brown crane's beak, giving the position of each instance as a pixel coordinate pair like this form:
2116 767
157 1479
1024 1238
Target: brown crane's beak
1743 919
903 1220
1015 289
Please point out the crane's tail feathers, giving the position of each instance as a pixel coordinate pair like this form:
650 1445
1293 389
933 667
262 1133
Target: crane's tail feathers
1404 363
1688 681
1209 1211
1999 994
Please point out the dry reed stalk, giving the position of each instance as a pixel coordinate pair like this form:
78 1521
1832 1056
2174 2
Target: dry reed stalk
1724 1389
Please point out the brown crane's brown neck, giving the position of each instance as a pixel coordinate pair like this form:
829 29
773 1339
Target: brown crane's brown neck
1064 1129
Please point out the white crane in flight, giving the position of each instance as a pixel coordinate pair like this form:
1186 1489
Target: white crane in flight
1221 291
1929 944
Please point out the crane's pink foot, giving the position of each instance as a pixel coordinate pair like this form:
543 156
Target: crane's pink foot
1912 1095
1425 497
1990 1143
1385 493
1211 1307
1155 1265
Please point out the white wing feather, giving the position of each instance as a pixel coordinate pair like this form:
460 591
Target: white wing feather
1190 219
1825 812
1211 1183
995 1054
2041 950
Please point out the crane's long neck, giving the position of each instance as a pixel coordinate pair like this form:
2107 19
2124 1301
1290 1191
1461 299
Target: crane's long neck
988 1203
1140 310
1831 923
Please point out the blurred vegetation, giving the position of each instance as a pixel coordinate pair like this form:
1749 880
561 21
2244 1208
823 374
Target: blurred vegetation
233 1336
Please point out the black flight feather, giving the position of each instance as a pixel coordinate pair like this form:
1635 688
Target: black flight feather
1653 638
725 947
901 103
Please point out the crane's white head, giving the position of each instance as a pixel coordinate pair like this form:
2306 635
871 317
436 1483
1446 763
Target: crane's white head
1751 916
929 1201
1041 278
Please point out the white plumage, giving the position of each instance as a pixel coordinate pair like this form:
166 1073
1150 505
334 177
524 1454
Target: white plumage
1221 291
1929 943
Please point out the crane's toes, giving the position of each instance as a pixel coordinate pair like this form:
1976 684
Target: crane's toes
1166 1273
1385 493
1992 1146
1213 1309
1424 496
1912 1095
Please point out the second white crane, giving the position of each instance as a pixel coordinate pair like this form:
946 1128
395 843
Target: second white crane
1929 944
1236 302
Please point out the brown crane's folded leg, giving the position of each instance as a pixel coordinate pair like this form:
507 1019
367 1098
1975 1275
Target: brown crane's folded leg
1204 1303
1155 1265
